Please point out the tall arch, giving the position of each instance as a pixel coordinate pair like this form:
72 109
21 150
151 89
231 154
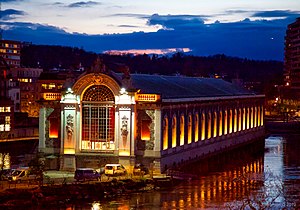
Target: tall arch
174 131
98 118
244 118
235 117
190 124
240 119
165 133
181 136
220 123
202 126
225 122
215 121
230 121
196 127
209 122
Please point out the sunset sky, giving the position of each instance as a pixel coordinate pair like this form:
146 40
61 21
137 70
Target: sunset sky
253 29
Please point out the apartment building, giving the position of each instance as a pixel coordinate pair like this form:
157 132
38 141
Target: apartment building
11 52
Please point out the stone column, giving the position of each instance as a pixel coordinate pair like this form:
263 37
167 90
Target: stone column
69 130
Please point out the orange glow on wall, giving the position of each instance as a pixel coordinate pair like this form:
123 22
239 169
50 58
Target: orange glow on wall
165 133
174 132
203 127
181 130
53 131
220 124
145 129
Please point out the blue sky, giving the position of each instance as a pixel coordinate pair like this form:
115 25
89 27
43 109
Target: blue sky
252 29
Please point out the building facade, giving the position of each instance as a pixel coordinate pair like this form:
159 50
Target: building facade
11 52
292 61
160 121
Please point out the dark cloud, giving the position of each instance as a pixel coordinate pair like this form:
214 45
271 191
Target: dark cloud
176 21
142 16
9 14
127 26
83 4
259 39
7 1
276 13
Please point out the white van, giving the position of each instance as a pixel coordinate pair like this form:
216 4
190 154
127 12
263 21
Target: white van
114 170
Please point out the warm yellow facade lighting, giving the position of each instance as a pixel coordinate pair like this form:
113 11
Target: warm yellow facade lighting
52 96
147 97
69 151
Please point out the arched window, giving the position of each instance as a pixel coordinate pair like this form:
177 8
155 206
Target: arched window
165 133
190 123
215 125
258 116
203 126
209 125
240 120
196 127
235 121
248 118
251 117
262 116
230 121
255 116
98 118
182 130
244 118
220 123
174 131
225 122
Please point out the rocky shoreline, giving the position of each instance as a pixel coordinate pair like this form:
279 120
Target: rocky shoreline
70 193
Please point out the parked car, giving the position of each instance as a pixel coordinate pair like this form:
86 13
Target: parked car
140 169
5 173
86 174
114 170
22 174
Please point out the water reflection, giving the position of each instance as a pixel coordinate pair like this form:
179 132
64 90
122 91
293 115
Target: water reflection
270 178
245 178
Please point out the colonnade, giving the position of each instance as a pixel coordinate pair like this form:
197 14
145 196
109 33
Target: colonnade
204 124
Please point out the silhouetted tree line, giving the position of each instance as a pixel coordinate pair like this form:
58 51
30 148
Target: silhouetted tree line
258 75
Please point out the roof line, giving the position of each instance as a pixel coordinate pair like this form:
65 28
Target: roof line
210 98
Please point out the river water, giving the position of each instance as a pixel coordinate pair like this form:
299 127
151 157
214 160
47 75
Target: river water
270 180
265 180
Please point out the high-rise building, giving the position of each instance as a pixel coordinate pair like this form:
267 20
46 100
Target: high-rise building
11 52
292 61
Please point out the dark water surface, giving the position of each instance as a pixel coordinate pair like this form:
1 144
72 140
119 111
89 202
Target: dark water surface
266 180
270 180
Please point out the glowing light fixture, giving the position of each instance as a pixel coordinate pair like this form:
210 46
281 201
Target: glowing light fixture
123 91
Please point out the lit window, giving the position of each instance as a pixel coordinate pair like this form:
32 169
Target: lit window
7 123
1 109
1 127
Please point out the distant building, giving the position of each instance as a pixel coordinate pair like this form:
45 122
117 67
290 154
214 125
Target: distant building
23 89
161 121
6 104
292 59
11 52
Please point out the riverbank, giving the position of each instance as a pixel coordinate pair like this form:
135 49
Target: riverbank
279 127
64 194
59 189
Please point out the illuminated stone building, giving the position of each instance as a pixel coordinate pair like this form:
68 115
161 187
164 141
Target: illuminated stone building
11 52
162 121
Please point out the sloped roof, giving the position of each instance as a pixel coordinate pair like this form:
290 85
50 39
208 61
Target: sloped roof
172 87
